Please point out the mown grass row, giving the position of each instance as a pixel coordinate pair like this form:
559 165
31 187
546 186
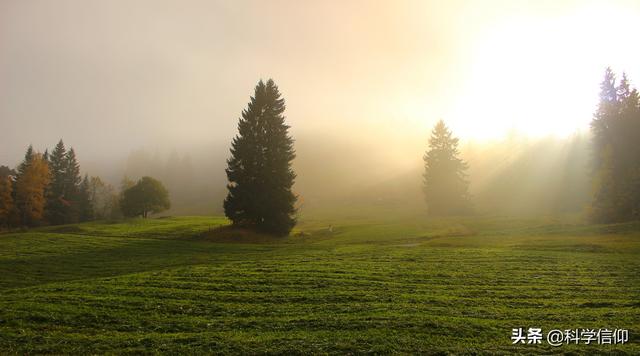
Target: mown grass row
355 291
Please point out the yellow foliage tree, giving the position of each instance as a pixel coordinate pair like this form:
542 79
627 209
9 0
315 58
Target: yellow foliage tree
30 190
6 199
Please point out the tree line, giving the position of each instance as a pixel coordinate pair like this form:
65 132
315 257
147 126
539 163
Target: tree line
47 188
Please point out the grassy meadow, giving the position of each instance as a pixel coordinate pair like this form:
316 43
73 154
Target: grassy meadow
188 285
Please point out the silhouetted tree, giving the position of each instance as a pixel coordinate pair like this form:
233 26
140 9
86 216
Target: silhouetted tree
445 178
57 204
147 196
616 155
259 170
72 180
63 194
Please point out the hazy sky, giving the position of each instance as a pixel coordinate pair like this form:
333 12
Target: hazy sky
112 76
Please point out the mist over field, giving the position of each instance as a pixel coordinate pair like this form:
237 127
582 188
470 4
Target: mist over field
514 175
156 88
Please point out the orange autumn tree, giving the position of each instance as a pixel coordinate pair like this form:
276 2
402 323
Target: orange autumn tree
30 190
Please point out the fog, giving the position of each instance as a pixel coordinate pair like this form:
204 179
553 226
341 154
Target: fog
156 88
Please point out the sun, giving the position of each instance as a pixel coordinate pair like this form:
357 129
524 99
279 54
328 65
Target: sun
539 75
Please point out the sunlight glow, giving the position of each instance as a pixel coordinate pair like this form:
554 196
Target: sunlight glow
540 75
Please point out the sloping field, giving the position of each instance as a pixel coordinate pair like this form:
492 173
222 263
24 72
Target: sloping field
179 285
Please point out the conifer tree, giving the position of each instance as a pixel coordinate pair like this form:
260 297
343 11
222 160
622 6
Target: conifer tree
259 170
616 155
57 205
445 177
605 115
63 192
627 160
72 187
604 188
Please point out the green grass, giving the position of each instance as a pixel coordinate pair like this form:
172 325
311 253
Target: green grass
389 285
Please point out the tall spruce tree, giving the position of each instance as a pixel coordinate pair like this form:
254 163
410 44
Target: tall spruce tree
72 187
445 177
57 206
603 205
259 170
616 155
625 148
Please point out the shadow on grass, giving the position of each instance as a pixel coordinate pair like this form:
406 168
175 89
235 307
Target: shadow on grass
134 257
